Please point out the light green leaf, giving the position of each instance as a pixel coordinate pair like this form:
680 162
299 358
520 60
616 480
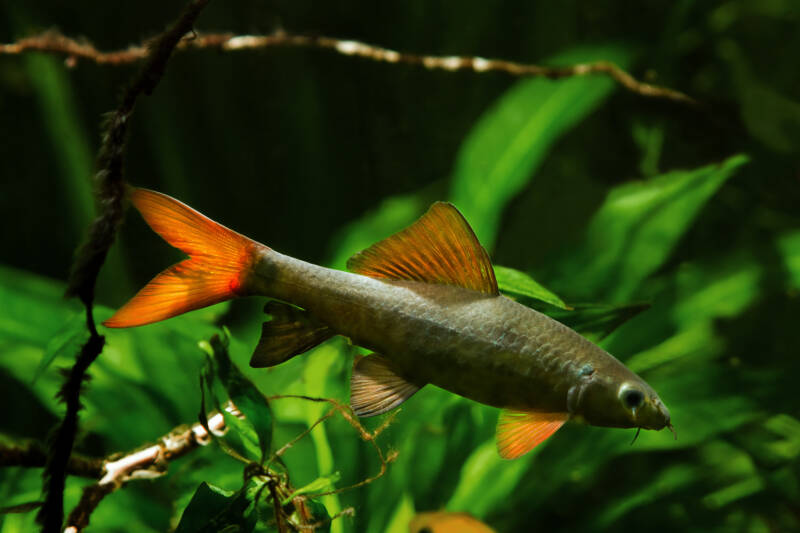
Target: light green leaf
322 483
637 227
521 284
487 480
505 148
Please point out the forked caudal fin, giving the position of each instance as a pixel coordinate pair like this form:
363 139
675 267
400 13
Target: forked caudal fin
219 261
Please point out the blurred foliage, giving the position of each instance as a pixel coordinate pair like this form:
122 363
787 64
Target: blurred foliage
671 235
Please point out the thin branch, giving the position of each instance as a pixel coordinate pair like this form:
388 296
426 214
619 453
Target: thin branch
91 256
146 463
347 511
33 455
365 435
56 43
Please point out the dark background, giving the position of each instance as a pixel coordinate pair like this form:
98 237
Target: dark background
292 146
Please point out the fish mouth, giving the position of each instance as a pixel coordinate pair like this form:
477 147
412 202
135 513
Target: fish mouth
653 415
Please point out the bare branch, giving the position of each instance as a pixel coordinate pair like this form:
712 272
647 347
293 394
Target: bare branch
91 256
56 43
146 463
32 455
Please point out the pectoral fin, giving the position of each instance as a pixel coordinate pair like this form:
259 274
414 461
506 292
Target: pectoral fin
518 432
290 332
375 386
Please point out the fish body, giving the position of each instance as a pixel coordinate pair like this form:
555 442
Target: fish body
425 301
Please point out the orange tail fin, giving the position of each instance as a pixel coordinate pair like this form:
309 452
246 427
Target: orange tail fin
219 261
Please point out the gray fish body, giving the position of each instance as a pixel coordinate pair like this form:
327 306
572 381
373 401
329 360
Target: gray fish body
425 299
485 347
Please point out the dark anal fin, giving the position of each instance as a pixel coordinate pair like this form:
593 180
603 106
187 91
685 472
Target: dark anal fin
291 332
375 386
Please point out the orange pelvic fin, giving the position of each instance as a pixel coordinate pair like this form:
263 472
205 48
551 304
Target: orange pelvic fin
219 261
518 432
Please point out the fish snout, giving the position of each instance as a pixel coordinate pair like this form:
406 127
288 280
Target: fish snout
656 417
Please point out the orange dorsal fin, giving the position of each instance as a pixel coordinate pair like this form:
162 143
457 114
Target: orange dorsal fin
518 432
439 248
219 261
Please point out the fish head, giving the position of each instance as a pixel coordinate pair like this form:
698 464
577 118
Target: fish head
628 402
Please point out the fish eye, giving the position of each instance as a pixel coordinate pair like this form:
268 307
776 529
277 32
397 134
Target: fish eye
632 398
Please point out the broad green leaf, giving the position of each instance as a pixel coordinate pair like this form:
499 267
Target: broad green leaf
213 509
487 480
67 341
320 364
512 138
521 284
257 424
404 512
636 228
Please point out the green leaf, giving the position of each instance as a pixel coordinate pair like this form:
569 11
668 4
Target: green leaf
213 509
253 434
636 228
669 481
67 341
597 321
487 480
318 515
789 245
521 284
508 144
320 484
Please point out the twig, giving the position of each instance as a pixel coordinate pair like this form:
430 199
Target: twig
347 511
32 455
146 463
111 189
56 43
365 435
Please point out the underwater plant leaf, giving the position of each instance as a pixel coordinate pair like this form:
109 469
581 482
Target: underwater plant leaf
67 341
514 282
320 484
597 321
509 142
636 228
789 245
213 509
255 428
